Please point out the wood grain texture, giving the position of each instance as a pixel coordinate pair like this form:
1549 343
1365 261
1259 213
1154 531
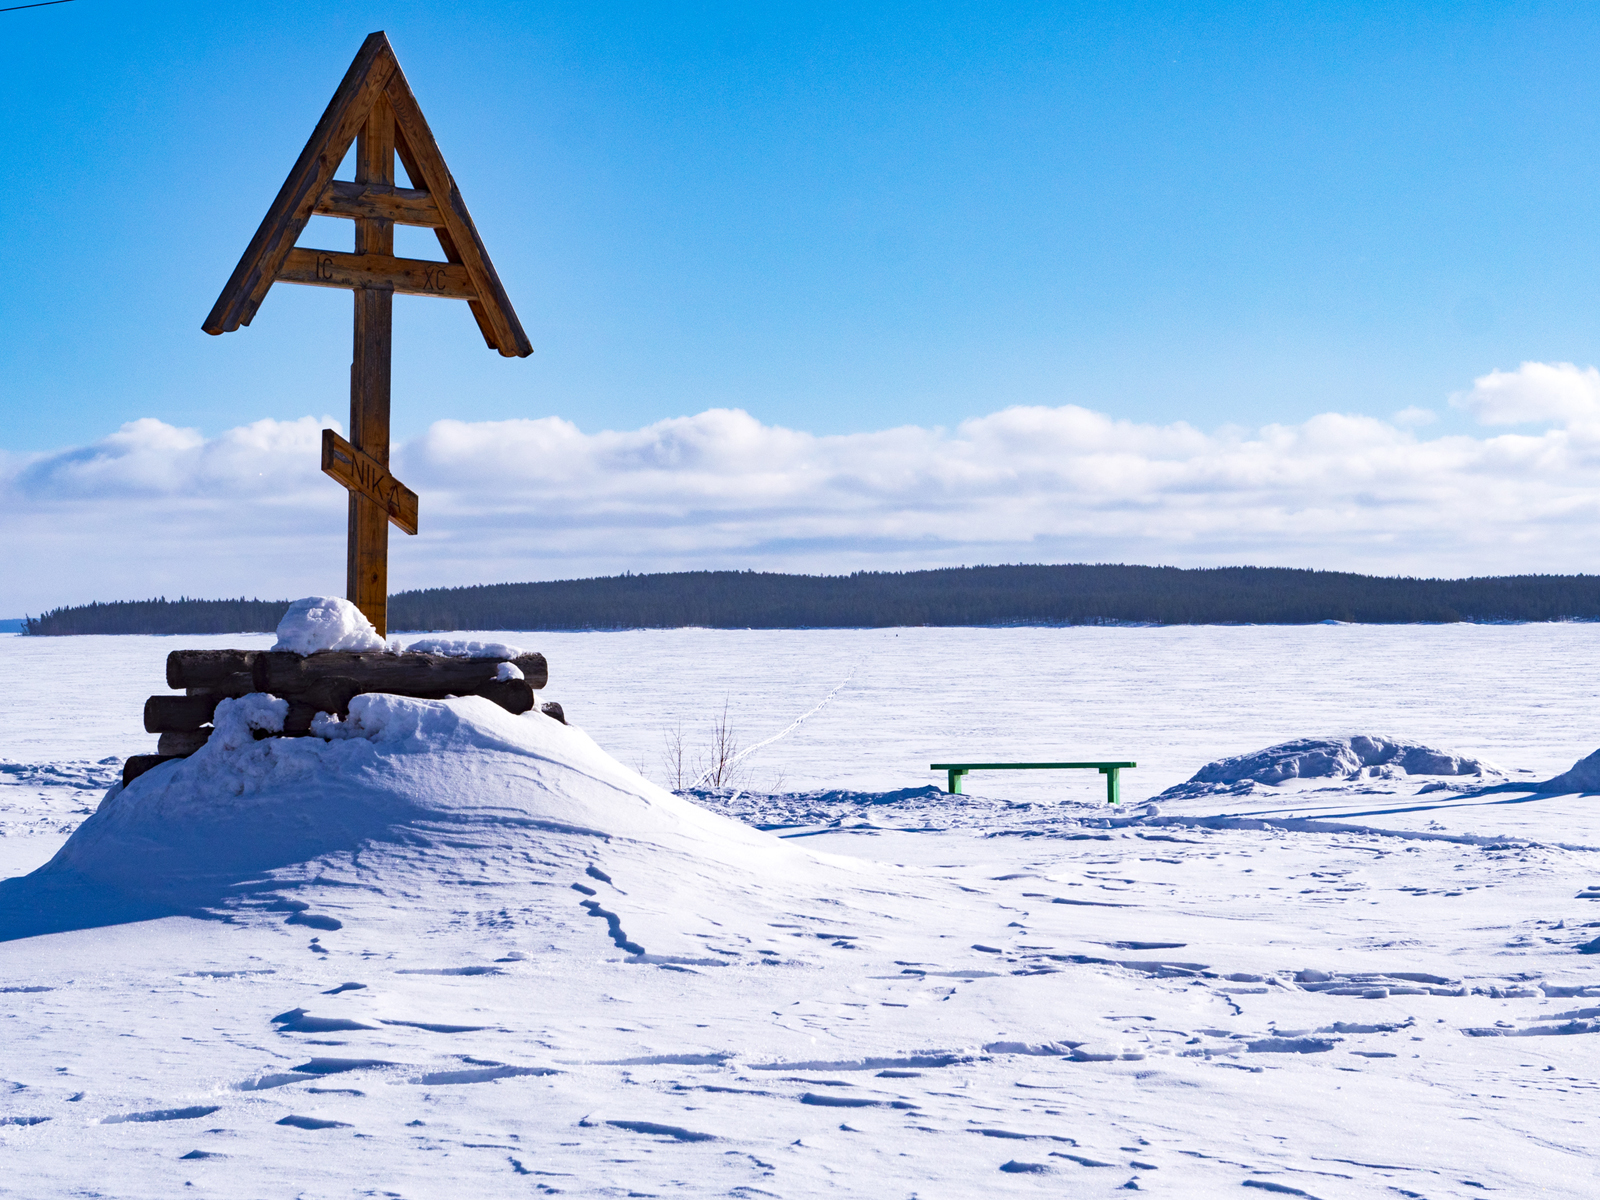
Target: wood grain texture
283 673
480 314
374 103
375 168
178 714
412 276
424 163
367 547
343 119
403 206
137 764
367 550
362 473
185 743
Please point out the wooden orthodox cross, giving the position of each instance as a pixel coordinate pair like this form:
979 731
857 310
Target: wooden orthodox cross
373 108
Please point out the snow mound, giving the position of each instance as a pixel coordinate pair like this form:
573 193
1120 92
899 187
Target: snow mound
401 790
465 648
1335 759
1583 776
326 623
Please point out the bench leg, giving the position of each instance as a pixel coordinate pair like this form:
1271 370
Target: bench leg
955 782
1113 791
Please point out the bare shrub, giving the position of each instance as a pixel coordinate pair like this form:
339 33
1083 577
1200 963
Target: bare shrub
717 766
675 758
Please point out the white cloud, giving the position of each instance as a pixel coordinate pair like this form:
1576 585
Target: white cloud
148 458
1534 392
158 510
1411 418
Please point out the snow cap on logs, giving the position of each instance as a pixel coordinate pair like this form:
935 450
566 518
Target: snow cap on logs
326 623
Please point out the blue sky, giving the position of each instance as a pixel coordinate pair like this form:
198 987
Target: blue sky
1248 281
836 217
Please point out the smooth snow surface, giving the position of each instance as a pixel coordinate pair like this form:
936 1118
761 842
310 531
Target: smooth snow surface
448 951
326 623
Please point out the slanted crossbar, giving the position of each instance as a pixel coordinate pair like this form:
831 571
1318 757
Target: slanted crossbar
955 771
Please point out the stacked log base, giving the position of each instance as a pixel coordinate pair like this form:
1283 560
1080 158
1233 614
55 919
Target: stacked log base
324 682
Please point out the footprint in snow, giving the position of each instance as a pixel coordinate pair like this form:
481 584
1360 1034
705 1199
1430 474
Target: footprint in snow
450 971
336 1066
164 1114
675 1132
312 1123
314 921
433 1027
297 1020
480 1075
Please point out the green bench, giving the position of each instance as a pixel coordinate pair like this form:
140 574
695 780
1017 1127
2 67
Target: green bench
1109 769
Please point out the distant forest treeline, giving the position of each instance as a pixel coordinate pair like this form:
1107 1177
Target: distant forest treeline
1015 595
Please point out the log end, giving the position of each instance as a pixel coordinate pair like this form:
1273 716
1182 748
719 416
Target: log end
138 764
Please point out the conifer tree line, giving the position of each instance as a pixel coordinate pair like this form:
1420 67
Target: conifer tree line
1075 594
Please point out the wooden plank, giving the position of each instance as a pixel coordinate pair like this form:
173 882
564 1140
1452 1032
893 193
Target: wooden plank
411 276
451 254
207 669
183 744
424 162
403 206
178 714
333 695
344 117
284 673
138 764
375 146
367 548
360 472
367 561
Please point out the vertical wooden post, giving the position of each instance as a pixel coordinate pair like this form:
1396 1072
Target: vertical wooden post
367 568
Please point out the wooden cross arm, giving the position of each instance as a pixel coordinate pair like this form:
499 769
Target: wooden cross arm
363 83
380 202
458 236
375 76
413 276
362 473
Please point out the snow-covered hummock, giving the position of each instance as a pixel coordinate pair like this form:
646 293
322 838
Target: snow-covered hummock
470 951
396 772
465 648
326 623
1330 759
1583 776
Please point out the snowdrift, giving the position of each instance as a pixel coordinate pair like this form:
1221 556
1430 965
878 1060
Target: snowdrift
1582 776
404 789
1337 759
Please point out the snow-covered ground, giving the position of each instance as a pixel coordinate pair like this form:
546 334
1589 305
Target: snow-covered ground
467 954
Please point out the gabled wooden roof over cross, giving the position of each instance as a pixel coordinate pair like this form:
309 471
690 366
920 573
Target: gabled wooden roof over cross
374 109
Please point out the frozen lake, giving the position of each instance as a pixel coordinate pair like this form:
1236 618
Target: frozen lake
1371 986
1171 699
